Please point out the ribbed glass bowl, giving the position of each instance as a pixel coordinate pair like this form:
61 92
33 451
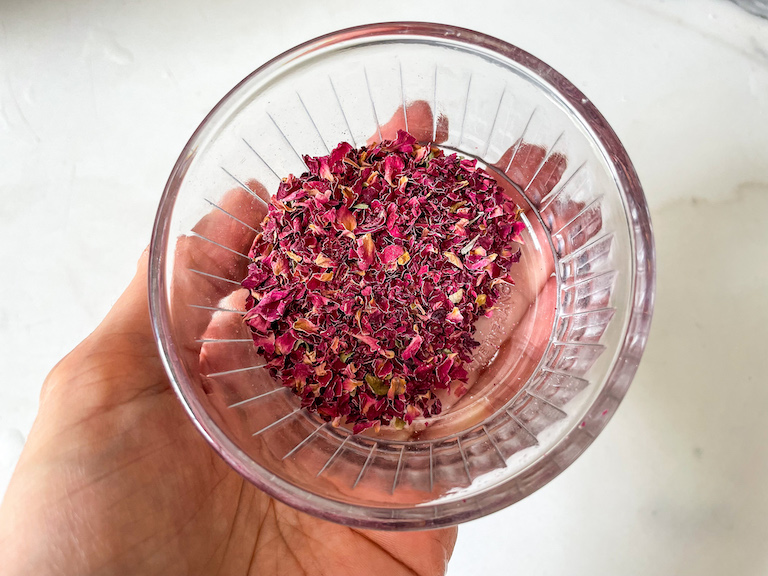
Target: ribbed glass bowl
563 344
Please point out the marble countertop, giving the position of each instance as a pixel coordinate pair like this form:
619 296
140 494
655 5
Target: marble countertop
97 99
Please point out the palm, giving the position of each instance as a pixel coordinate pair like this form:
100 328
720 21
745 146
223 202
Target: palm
114 478
139 491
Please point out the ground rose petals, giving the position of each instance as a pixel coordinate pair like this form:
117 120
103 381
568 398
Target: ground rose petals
369 273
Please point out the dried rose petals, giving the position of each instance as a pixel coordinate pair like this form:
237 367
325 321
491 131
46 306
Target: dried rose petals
369 274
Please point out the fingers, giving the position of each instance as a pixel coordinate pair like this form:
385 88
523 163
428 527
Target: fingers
225 358
424 553
493 387
420 122
515 315
547 177
207 265
220 241
212 260
205 270
529 168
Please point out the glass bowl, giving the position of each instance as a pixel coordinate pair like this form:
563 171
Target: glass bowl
561 348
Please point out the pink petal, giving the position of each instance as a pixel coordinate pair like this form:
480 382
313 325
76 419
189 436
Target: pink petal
412 348
391 253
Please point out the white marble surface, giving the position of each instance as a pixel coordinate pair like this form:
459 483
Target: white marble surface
98 97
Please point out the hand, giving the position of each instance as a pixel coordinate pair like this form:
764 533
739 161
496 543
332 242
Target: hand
115 479
522 333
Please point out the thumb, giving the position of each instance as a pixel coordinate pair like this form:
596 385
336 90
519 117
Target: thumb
119 357
130 314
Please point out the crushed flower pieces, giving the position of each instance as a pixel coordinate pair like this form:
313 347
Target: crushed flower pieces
369 273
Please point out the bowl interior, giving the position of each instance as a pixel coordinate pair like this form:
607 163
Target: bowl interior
546 355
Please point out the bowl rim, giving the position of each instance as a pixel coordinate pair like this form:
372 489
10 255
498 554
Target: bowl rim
572 444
